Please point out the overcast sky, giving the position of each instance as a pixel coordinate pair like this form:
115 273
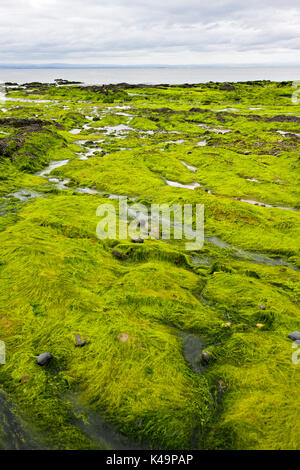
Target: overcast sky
137 32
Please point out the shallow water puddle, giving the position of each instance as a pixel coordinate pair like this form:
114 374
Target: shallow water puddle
180 185
214 129
226 109
193 346
25 194
175 141
189 167
52 165
60 184
250 256
93 423
121 128
284 133
17 433
262 204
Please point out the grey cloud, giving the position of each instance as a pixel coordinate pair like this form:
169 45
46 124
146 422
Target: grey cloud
149 31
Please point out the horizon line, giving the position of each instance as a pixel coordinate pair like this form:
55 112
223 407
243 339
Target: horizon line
105 66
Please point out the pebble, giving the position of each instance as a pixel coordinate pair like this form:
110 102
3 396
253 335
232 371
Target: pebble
117 254
295 335
44 359
205 357
79 341
137 240
123 337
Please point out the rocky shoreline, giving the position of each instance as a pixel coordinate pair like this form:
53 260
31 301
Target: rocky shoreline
161 347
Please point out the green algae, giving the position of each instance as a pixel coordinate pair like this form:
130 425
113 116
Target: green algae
58 279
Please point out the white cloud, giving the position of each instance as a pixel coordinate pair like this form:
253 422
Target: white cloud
149 31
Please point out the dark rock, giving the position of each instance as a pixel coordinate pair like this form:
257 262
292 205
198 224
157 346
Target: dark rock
198 110
163 110
24 379
137 240
227 87
79 342
61 81
44 359
294 336
118 255
31 123
282 118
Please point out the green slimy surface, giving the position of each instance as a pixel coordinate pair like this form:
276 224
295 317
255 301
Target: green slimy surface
66 150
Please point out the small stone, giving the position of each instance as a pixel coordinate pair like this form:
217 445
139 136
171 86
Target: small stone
117 254
24 379
294 336
44 359
79 342
137 240
123 337
222 384
205 357
247 152
262 307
